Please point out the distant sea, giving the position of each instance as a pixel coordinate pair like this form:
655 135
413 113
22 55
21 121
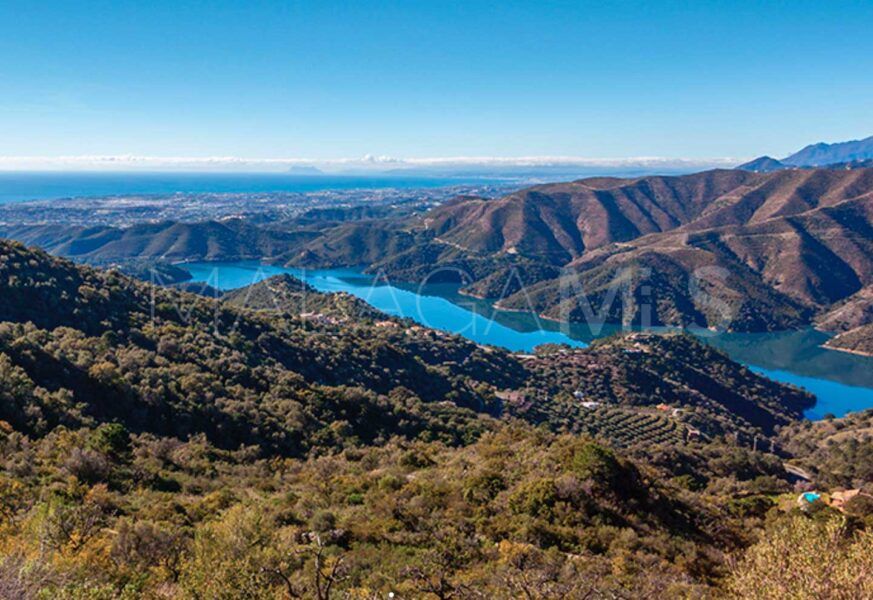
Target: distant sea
19 187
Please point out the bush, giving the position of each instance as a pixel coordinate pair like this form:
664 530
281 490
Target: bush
481 489
860 506
536 498
87 465
593 461
800 557
111 439
322 521
144 544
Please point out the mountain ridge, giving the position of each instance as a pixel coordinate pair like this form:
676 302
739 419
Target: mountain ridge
822 153
737 221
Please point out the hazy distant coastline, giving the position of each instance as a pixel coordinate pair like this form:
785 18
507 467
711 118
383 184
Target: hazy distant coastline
21 187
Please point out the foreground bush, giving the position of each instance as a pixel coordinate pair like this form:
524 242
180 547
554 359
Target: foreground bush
803 557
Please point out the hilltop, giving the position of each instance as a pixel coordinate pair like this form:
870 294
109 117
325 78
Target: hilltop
763 164
287 294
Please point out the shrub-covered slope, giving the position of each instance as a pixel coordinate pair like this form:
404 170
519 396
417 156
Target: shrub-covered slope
83 346
158 444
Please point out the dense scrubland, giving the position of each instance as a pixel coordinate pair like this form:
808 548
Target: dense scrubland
160 444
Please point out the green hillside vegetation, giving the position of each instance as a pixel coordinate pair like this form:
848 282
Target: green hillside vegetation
197 449
838 451
99 513
708 390
85 345
805 558
81 346
287 294
96 513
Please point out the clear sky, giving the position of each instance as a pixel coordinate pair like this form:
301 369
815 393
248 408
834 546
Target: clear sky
432 79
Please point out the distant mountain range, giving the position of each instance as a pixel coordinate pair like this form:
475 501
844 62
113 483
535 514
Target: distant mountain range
816 155
167 241
304 170
764 248
856 154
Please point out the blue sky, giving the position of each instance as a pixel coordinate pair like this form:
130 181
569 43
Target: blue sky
432 79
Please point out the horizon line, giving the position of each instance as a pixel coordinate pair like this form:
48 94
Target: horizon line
367 163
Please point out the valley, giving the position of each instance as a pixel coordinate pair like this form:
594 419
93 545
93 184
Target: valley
436 301
347 374
840 382
278 419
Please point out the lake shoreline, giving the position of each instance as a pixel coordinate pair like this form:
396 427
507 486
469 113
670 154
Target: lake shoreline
848 351
842 382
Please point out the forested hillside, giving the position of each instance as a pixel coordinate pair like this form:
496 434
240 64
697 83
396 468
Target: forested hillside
839 451
173 363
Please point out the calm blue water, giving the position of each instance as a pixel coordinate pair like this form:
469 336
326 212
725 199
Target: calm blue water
17 187
426 307
841 382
